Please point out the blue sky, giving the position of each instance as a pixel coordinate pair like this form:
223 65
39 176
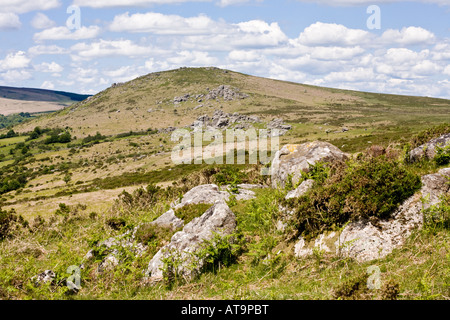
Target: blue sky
326 43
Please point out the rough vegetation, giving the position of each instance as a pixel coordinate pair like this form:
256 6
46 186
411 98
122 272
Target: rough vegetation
108 208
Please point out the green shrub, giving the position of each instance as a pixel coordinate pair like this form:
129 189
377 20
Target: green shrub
437 217
220 251
362 189
442 156
9 222
116 223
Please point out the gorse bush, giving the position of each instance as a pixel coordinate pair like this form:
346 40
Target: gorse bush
442 156
437 217
368 188
10 222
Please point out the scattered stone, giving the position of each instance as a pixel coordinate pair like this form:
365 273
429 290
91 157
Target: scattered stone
111 247
225 92
280 127
428 149
48 276
183 245
293 158
180 99
221 120
166 130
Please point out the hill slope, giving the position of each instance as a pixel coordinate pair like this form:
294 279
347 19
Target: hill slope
15 100
148 101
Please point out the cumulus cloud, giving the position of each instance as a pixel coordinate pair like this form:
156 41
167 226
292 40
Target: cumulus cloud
64 33
23 6
408 36
9 21
158 23
15 76
17 60
41 21
43 49
103 48
193 58
47 85
328 34
52 67
123 3
369 2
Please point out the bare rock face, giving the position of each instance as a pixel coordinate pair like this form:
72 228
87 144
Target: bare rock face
217 219
210 193
364 241
428 149
300 190
293 158
168 220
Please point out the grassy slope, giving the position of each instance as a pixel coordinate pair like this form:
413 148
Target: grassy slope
421 267
372 119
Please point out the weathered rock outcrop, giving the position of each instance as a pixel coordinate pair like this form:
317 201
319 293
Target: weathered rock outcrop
428 149
300 190
225 92
112 248
293 158
277 127
210 193
184 244
221 120
364 241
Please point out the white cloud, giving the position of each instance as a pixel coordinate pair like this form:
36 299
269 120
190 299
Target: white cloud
244 55
42 49
16 60
158 23
193 58
23 6
64 33
103 48
447 70
15 76
49 67
369 2
408 36
326 34
41 21
47 85
127 3
9 21
225 3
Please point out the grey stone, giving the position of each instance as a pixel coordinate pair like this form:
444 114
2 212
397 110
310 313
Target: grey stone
184 244
300 190
363 241
168 220
428 149
293 158
48 276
